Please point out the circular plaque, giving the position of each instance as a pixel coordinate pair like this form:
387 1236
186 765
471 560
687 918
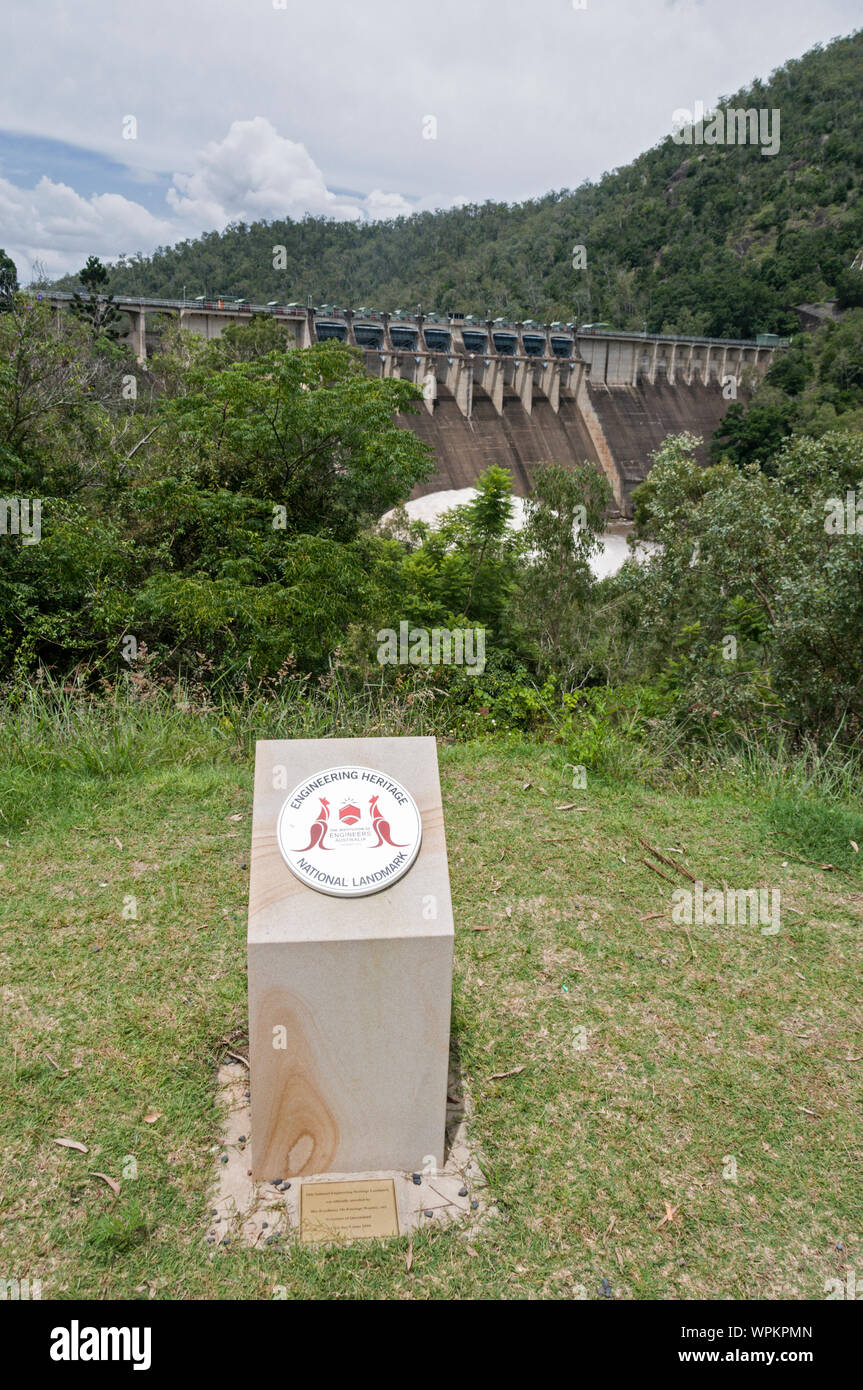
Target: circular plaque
349 831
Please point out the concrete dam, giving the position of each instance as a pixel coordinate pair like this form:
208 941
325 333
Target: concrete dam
510 393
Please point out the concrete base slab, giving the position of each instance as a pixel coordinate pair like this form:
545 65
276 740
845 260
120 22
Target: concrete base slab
247 1212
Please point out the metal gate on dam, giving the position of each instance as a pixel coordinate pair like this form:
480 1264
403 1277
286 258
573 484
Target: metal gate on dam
511 393
517 394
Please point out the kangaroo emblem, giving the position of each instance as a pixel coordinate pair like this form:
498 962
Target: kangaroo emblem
319 829
381 827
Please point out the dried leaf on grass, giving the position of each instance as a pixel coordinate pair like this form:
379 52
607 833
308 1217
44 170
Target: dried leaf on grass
112 1182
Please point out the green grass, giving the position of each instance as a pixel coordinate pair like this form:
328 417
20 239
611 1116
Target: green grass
701 1045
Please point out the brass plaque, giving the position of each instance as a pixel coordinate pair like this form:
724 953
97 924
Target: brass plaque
348 1210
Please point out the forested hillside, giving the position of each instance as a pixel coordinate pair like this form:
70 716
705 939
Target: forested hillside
712 239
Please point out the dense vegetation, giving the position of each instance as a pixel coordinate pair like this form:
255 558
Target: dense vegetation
712 239
815 386
212 525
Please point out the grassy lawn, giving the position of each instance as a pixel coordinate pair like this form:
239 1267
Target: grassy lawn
648 1060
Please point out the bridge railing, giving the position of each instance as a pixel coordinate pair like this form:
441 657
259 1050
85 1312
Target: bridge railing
215 305
290 310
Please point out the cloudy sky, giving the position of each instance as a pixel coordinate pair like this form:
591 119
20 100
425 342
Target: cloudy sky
128 125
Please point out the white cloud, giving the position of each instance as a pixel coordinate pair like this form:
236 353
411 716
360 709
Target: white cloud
53 224
255 173
252 174
382 205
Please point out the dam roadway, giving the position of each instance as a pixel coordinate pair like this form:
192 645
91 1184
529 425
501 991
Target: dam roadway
508 393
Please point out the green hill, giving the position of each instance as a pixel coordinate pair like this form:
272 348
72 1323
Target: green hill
712 239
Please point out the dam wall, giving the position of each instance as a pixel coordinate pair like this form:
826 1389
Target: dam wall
508 393
630 422
512 439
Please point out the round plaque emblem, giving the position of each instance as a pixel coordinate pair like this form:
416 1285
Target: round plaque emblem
349 831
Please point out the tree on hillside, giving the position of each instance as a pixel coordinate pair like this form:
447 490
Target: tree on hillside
98 308
849 286
307 430
54 392
748 554
754 435
813 387
565 517
465 567
8 280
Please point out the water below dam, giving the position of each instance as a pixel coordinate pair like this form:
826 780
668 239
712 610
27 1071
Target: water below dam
615 547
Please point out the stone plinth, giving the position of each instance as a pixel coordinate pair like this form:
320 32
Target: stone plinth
349 997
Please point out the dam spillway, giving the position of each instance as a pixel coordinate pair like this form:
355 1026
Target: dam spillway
509 393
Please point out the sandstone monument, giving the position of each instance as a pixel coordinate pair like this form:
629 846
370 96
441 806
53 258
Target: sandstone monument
350 947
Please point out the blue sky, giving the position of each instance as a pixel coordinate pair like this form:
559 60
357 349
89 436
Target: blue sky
125 127
25 158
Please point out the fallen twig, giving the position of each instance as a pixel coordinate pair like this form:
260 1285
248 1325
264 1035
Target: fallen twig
814 862
655 870
671 863
451 1202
